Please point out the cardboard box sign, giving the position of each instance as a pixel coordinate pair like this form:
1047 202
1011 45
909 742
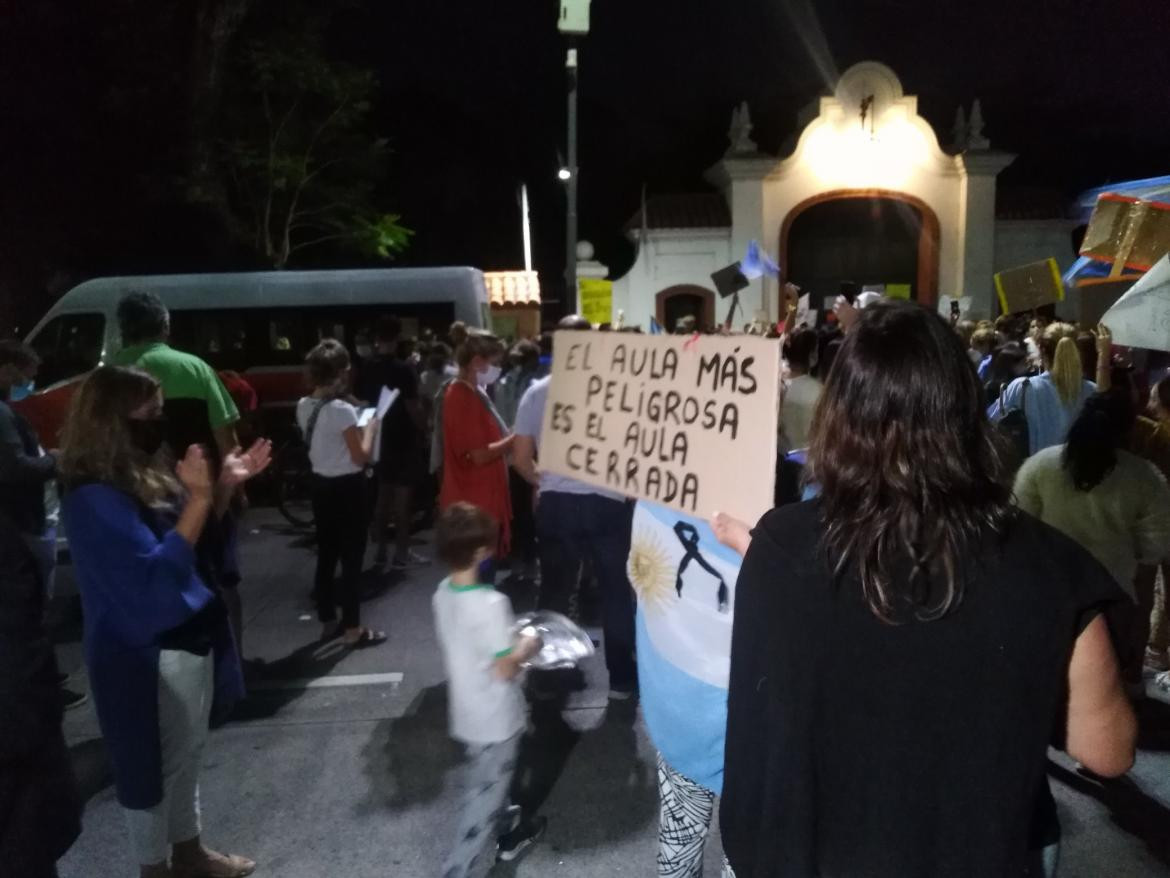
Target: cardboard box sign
1107 227
1122 228
687 423
1029 286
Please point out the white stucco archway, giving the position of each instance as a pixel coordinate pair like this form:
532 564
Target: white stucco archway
868 138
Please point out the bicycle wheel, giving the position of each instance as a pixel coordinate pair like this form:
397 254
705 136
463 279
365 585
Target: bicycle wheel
294 488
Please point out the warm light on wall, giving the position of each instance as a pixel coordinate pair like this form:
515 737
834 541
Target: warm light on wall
843 154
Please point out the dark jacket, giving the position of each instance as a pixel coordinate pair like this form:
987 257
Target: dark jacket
23 472
40 811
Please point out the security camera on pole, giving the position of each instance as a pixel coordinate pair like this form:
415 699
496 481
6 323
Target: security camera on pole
573 23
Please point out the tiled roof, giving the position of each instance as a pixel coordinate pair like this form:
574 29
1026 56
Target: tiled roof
696 210
512 287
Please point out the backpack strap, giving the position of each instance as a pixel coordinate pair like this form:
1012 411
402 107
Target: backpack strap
311 424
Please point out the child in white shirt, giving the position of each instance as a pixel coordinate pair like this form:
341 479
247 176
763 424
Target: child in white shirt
486 706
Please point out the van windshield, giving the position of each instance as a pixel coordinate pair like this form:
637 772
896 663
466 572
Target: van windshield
69 346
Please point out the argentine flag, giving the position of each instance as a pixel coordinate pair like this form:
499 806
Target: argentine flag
684 637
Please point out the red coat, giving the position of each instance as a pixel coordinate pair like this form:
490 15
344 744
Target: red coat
468 425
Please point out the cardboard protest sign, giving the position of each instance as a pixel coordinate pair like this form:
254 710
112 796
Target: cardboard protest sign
1107 226
596 298
688 422
1128 231
1141 317
1030 286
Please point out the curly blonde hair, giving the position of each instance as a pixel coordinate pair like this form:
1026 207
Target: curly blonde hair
96 444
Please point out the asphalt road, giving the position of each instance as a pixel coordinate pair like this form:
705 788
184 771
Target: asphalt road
339 763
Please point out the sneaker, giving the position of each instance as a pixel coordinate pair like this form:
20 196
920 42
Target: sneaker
410 559
515 843
623 693
71 700
1162 681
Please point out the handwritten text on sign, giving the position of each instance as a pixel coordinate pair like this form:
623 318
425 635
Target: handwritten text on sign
687 423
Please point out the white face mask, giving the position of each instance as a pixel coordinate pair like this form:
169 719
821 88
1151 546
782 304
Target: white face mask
488 376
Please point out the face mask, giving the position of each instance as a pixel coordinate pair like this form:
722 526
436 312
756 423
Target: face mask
488 376
364 351
21 391
148 435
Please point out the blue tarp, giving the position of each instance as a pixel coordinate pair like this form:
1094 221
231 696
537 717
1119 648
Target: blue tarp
1085 267
1150 189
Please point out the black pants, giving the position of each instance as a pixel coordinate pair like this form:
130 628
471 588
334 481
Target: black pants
339 508
573 527
523 518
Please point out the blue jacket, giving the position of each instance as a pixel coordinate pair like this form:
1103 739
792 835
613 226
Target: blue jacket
138 582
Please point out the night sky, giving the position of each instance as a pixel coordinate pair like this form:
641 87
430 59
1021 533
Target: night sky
472 101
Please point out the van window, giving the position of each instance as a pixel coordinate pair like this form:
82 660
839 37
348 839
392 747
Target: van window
245 338
69 345
218 337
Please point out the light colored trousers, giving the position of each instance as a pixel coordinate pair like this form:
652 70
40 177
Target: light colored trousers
185 688
484 782
684 819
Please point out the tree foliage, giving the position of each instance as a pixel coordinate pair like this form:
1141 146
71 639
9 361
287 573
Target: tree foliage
302 163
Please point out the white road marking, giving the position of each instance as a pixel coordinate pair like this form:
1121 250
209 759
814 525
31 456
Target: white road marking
389 679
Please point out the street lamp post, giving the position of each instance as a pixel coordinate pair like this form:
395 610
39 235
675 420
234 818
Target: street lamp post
573 23
571 188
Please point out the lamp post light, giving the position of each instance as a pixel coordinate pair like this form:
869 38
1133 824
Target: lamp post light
573 23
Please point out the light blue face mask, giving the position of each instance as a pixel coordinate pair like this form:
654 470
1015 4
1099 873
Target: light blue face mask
21 391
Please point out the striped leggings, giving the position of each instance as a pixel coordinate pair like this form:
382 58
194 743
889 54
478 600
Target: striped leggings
684 820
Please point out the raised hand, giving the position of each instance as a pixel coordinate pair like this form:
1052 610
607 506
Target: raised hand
732 532
194 472
1104 340
239 466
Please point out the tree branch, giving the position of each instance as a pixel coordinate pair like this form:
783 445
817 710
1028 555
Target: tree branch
303 244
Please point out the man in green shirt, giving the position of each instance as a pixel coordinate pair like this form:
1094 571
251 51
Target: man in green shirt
198 410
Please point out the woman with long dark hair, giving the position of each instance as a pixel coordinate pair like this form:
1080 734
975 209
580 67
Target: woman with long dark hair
158 645
850 748
1109 500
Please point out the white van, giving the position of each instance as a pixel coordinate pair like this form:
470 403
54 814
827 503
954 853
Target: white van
258 324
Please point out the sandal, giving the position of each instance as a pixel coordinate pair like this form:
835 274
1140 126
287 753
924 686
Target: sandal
366 639
216 865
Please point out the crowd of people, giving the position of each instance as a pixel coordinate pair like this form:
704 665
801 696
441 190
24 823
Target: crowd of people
977 574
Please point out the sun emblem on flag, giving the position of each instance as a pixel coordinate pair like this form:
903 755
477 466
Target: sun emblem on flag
650 571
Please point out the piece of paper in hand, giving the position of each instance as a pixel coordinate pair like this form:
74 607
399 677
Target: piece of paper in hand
804 317
365 416
386 399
